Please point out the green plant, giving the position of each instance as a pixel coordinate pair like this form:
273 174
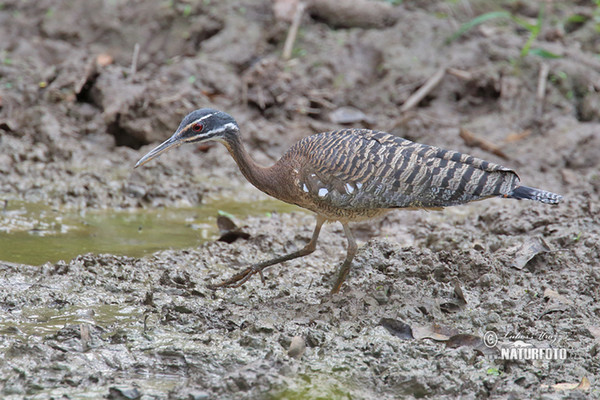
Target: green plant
597 16
534 30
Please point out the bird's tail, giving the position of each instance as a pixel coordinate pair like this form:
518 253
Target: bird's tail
526 192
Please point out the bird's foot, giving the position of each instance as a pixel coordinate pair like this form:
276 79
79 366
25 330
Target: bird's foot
240 278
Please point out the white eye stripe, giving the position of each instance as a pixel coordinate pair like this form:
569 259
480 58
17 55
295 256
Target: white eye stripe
212 132
199 120
220 129
203 118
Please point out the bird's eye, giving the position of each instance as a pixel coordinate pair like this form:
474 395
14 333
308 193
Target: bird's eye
197 127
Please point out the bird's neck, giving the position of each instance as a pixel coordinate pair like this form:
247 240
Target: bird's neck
263 178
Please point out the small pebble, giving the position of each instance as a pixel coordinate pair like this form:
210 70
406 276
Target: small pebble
297 347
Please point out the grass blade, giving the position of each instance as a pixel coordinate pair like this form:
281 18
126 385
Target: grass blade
477 21
544 53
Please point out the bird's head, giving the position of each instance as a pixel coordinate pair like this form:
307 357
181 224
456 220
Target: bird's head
197 127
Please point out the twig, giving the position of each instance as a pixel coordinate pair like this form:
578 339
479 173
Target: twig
515 137
134 59
472 140
86 337
293 32
424 90
461 74
541 88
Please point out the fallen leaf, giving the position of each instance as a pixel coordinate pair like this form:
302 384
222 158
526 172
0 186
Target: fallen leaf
455 306
397 328
229 230
450 307
434 331
121 393
529 249
459 293
225 224
583 385
473 341
463 339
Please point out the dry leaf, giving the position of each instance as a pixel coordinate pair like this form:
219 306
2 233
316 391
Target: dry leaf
450 307
583 385
464 339
473 341
397 328
459 293
527 251
434 331
229 230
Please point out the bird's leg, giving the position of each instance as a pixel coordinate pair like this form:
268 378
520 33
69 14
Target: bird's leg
345 268
240 278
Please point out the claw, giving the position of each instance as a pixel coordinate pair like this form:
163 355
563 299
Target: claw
238 279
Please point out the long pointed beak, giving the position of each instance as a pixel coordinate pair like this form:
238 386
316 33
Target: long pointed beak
171 142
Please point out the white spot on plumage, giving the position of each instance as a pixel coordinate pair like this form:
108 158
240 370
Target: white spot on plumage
323 192
349 188
358 185
304 188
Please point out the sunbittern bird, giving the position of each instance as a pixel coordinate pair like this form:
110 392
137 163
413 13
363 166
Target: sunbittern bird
351 175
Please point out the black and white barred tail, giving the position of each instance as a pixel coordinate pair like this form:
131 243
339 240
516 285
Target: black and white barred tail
529 193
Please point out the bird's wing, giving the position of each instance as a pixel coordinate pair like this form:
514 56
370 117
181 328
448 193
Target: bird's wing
364 169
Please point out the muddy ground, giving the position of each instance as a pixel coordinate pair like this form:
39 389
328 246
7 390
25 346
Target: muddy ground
75 115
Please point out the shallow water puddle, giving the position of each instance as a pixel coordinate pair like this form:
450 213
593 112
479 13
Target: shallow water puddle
43 321
34 233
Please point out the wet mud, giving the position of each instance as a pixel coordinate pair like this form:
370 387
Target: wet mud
433 297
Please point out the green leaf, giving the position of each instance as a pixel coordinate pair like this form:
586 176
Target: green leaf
478 21
187 10
225 214
493 371
524 23
577 19
534 32
544 53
